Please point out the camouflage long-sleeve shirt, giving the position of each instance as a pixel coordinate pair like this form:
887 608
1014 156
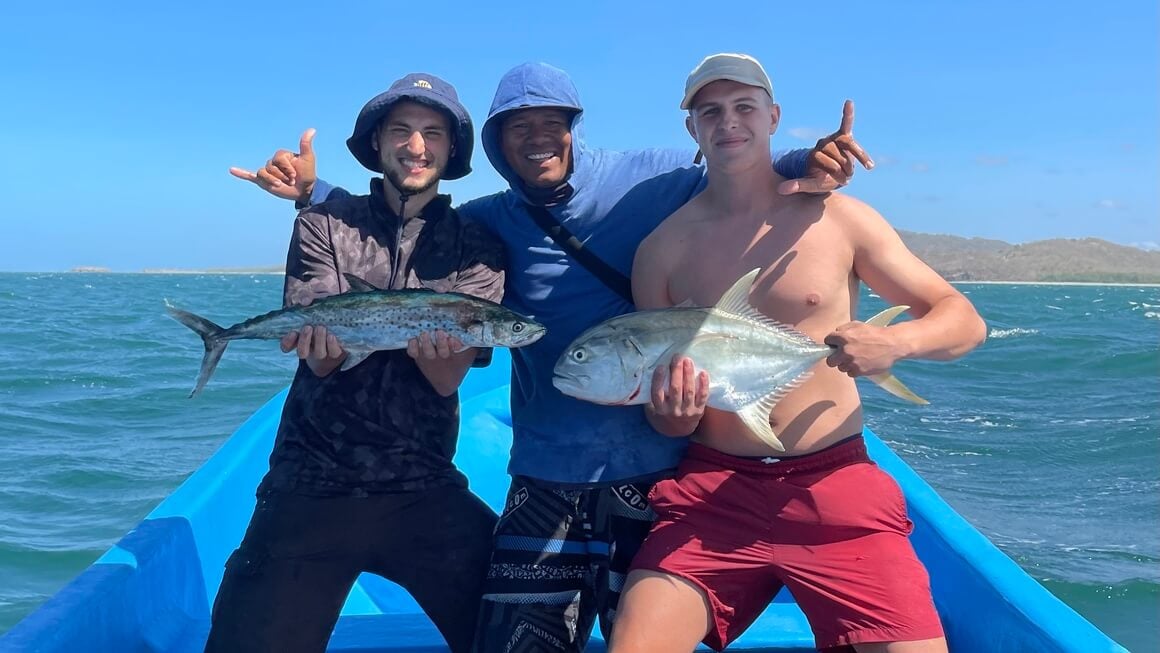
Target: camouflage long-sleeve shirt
378 427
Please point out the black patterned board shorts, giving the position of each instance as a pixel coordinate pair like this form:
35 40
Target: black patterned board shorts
559 561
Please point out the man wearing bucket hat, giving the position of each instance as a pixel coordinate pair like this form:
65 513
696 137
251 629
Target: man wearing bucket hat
740 520
577 510
361 475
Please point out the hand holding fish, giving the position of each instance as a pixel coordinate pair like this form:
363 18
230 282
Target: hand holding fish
442 358
432 346
287 174
863 349
676 407
317 346
831 163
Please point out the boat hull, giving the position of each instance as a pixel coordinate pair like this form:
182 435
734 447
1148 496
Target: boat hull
153 590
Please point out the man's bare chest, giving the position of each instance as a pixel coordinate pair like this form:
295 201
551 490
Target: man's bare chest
801 274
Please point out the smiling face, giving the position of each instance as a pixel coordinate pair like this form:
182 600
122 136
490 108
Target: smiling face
732 121
537 144
414 145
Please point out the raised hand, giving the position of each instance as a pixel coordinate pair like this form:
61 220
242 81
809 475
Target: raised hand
287 174
831 164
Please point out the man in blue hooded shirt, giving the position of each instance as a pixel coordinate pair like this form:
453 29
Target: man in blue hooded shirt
577 508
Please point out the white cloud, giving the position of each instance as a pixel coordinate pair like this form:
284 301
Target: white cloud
1111 205
920 167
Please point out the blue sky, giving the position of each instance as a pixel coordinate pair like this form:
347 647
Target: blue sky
1017 121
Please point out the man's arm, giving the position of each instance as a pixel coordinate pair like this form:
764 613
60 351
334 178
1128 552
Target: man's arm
438 357
676 407
946 324
827 167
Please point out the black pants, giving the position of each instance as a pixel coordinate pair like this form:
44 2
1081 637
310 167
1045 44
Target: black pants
285 585
559 564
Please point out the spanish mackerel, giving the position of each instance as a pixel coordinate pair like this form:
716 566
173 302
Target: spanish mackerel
366 320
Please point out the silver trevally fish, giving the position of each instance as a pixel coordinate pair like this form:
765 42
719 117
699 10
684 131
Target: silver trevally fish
367 320
752 360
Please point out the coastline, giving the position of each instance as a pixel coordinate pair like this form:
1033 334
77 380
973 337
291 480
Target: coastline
1057 283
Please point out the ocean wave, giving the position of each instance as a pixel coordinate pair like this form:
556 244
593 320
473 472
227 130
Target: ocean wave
1138 588
1007 333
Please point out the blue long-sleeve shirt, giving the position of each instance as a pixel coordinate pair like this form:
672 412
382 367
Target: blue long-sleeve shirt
616 199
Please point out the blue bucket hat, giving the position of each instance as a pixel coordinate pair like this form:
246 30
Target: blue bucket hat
425 89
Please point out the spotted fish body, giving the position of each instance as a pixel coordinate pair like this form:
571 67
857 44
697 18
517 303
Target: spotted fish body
367 320
752 360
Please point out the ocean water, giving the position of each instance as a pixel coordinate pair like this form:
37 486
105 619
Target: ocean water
1047 438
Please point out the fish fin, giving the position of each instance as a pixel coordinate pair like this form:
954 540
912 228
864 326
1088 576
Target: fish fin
886 380
210 334
688 303
756 419
891 384
354 357
357 283
885 317
735 301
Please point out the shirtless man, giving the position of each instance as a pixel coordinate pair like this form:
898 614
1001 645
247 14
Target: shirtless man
740 519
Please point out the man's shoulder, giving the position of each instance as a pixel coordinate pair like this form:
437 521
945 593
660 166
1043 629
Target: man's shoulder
339 204
345 207
483 209
839 206
672 231
474 234
833 200
682 219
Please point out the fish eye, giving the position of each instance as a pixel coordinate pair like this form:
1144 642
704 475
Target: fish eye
517 327
579 355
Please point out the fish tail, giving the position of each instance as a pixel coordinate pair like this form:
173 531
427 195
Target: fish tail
891 384
210 334
888 381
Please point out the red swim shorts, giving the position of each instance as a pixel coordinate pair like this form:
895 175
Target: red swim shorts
830 526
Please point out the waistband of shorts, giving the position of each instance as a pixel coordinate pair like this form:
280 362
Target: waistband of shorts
845 452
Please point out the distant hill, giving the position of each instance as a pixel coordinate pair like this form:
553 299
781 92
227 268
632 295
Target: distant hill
1059 259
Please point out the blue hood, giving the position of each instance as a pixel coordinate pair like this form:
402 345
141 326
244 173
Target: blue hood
534 85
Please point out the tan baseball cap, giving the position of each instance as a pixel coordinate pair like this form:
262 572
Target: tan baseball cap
736 67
